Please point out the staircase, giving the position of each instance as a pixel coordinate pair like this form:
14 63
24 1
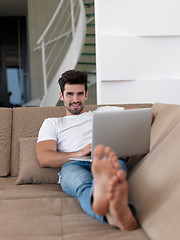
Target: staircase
60 52
87 59
70 30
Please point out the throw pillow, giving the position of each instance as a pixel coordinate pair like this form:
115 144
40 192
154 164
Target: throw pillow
29 169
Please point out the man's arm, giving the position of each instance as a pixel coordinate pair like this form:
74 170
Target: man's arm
48 156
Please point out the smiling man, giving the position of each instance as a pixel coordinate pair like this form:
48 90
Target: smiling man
101 186
74 97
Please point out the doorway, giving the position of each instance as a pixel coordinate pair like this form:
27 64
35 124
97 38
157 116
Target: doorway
14 81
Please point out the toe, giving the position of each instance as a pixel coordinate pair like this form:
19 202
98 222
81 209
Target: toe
114 160
121 175
98 152
112 186
107 152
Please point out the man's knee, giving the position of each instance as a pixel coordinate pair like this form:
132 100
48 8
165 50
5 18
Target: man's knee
66 176
74 179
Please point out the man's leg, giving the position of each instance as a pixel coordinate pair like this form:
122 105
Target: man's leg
76 180
110 195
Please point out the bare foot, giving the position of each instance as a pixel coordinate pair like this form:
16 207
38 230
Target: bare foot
104 167
120 214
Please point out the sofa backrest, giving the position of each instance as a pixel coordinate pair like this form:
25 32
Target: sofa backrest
154 182
27 121
20 123
5 140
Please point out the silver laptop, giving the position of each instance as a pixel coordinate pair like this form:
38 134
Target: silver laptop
126 132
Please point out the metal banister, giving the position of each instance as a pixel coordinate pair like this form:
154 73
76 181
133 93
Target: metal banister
78 31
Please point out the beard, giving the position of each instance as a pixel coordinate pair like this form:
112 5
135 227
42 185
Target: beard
77 110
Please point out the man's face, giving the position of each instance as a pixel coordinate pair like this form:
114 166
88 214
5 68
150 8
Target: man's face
74 98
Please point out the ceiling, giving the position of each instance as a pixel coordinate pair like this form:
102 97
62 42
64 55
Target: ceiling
13 7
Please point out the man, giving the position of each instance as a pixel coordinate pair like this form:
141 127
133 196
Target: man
100 187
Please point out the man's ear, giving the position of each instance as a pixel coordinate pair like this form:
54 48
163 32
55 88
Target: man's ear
61 96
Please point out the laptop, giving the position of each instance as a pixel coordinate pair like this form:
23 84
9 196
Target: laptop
126 132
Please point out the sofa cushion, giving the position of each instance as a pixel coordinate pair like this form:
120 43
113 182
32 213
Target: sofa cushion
29 169
43 212
5 140
154 183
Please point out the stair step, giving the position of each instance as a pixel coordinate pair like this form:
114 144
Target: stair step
91 25
92 73
90 35
89 14
86 63
88 4
88 54
90 44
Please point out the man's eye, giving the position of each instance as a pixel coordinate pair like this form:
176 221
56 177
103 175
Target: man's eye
81 93
69 94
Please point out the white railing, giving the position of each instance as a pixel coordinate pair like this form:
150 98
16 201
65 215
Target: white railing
60 52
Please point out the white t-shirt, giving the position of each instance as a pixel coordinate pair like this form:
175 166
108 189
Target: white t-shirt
71 133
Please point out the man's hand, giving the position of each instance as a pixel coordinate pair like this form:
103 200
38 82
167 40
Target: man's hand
86 151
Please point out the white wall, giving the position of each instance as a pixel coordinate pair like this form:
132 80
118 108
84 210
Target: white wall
137 51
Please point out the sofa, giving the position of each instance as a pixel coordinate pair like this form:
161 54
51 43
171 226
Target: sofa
33 206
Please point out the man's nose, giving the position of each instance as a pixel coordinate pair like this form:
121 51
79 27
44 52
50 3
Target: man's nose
75 98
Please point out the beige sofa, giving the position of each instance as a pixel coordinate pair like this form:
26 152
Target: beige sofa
33 206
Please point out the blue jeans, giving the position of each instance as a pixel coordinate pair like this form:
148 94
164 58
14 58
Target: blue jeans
76 180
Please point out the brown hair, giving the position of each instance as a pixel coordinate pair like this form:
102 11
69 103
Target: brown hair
73 77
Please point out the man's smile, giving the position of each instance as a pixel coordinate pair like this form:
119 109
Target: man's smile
75 104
